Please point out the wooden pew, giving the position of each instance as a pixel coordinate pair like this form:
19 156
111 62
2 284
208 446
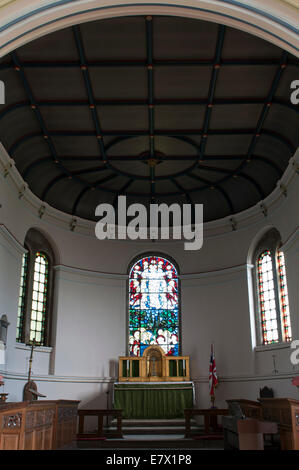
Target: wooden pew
250 408
38 425
284 412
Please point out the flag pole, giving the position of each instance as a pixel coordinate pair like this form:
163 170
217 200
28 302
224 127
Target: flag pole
213 395
213 376
213 398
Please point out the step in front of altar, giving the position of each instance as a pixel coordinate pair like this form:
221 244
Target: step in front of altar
152 434
141 427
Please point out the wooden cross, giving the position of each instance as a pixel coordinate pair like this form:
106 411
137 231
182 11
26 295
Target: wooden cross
33 344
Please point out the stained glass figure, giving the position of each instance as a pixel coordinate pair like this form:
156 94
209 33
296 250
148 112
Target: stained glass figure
39 298
153 306
284 299
268 311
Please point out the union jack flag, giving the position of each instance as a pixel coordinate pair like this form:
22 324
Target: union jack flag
213 379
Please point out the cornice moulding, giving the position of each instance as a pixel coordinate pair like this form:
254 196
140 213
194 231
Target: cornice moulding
11 240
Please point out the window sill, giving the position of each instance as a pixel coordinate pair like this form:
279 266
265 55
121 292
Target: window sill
274 346
42 349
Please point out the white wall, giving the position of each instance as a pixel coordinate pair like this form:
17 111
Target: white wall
90 313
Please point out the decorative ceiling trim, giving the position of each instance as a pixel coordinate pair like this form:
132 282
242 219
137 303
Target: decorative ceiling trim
19 26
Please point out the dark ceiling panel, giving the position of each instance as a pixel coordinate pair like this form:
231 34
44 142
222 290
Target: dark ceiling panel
119 83
120 38
174 38
239 44
186 116
189 82
238 81
55 46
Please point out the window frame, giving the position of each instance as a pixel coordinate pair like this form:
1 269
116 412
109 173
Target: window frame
36 242
131 264
271 242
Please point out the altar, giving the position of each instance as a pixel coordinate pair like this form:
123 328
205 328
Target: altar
153 386
153 400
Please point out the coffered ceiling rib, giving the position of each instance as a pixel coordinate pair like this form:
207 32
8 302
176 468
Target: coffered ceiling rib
96 185
178 62
151 99
89 91
212 88
175 133
122 191
48 159
236 174
45 133
157 102
44 160
35 109
183 190
266 107
217 186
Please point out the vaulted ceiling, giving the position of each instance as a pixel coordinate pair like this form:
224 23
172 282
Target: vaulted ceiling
160 109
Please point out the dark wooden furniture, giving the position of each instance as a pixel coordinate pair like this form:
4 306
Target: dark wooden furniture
244 429
250 408
266 392
100 414
251 433
37 425
65 424
210 418
285 412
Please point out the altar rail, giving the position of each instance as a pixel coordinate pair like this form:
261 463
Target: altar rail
210 418
100 414
38 425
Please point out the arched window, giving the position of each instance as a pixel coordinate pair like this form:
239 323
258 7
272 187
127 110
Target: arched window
154 305
39 298
36 286
273 316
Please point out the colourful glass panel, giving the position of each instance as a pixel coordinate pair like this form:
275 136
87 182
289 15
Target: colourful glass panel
267 299
39 299
284 299
153 306
22 298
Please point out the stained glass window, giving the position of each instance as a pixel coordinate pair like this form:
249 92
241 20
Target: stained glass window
284 299
153 306
22 297
268 311
39 298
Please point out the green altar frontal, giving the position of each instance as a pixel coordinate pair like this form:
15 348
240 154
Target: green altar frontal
152 400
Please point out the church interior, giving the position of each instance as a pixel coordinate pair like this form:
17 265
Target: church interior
140 342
